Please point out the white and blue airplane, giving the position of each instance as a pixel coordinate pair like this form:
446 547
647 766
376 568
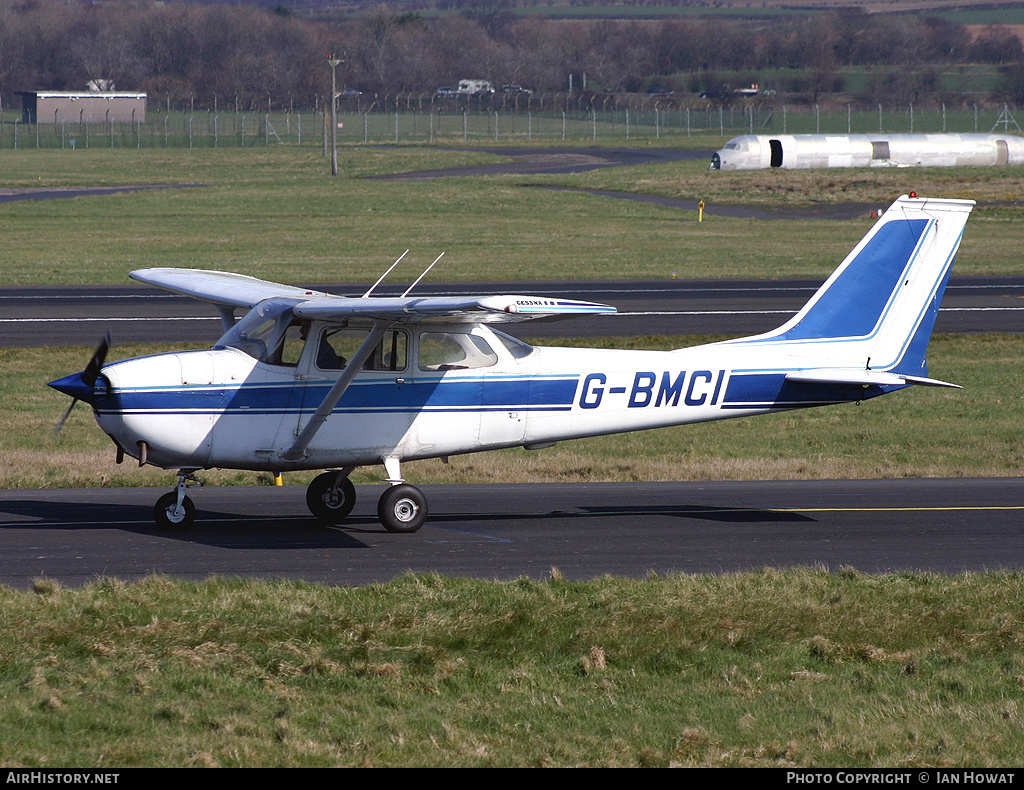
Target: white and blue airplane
307 380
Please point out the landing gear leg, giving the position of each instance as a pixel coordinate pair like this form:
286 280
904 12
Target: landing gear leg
402 507
174 511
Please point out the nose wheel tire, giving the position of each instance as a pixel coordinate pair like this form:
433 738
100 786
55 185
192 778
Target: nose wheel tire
329 504
402 508
169 517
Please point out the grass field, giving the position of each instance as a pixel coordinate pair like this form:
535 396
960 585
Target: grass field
968 13
277 213
801 668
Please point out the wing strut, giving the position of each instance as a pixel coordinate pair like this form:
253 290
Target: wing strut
354 366
227 316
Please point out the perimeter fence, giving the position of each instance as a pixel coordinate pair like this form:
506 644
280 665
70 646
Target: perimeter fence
411 124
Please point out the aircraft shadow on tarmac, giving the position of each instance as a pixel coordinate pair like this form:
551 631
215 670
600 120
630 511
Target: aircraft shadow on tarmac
735 515
73 515
739 515
214 528
249 532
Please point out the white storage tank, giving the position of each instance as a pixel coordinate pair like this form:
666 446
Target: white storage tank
805 151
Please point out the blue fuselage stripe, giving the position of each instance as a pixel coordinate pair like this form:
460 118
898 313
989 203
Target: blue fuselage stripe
773 390
745 390
526 394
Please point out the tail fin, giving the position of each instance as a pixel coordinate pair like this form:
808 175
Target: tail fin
877 310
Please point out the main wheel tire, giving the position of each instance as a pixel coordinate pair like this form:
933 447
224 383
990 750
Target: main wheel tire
402 508
165 516
330 505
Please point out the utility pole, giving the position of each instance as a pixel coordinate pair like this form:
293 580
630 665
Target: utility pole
334 113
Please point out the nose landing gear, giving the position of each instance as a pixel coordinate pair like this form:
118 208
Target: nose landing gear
174 511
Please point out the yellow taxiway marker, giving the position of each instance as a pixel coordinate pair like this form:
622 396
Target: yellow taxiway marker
890 509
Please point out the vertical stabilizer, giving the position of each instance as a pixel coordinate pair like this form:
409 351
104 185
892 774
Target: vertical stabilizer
877 310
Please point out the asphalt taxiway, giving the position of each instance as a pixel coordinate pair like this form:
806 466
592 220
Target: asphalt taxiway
80 315
511 531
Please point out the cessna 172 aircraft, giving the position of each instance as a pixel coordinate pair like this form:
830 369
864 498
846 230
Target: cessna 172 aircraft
309 380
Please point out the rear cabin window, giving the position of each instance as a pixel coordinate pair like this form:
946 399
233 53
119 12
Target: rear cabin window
454 351
516 347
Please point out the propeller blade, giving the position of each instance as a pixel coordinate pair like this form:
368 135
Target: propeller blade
92 370
60 423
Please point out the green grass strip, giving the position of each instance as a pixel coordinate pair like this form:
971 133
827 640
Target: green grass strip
777 669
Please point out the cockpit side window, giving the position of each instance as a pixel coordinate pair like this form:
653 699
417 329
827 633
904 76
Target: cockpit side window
337 345
292 344
392 353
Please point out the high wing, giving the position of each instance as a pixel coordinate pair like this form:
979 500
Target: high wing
479 309
228 290
224 289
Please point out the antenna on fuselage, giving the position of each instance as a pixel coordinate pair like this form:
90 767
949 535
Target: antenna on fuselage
431 266
385 274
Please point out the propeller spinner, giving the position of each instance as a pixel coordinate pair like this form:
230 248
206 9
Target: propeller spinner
81 386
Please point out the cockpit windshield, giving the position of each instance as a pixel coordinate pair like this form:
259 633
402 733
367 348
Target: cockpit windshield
261 332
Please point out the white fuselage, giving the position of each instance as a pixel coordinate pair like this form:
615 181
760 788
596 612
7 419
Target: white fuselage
312 380
222 408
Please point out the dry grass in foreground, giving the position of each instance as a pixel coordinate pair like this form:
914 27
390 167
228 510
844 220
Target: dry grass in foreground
800 668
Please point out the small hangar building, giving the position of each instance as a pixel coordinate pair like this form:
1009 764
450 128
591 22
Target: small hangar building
82 107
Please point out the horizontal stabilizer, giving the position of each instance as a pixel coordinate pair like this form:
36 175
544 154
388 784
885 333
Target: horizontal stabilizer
865 378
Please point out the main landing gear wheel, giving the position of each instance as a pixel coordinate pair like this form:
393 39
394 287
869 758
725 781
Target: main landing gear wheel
170 517
330 503
402 508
